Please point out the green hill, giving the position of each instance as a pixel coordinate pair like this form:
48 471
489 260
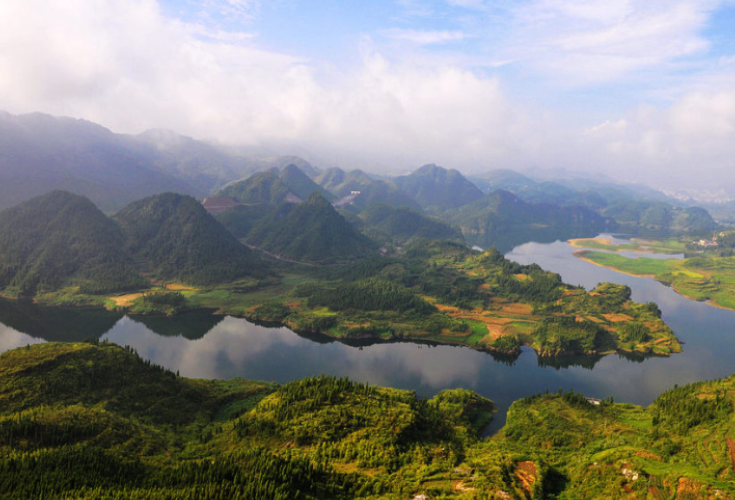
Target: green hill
400 224
262 187
658 218
58 240
501 215
300 184
372 191
89 421
311 231
96 421
178 240
244 218
437 189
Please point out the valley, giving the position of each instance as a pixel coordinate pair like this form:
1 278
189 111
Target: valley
392 281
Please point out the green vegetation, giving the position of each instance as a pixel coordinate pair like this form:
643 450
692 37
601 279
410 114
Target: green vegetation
300 184
62 240
502 215
178 240
438 291
399 225
705 277
93 421
669 245
437 189
443 292
260 188
96 421
311 231
659 219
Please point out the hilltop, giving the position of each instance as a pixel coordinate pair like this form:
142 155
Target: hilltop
97 421
437 189
177 239
61 240
311 231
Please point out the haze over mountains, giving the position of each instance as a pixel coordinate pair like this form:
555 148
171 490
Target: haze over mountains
500 208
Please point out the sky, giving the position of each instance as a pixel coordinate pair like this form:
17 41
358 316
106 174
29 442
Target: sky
640 90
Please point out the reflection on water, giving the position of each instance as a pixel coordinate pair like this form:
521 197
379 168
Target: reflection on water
200 344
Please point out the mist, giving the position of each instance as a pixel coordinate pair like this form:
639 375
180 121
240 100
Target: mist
639 91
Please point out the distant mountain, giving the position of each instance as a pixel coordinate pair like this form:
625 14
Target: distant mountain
197 163
657 218
311 231
401 224
300 184
39 153
282 162
342 183
532 191
179 240
437 189
262 187
62 239
502 216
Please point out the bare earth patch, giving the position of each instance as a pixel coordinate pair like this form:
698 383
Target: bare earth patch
177 287
125 300
617 318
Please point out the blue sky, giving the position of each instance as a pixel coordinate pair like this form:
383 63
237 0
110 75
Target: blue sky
642 89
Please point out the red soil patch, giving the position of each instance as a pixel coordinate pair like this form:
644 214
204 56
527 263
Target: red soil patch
617 318
731 447
526 474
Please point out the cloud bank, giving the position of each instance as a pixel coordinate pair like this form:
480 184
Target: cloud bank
412 94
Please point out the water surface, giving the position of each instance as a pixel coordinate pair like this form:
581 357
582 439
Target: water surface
200 344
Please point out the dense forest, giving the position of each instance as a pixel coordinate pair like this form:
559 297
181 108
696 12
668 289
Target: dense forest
62 239
93 421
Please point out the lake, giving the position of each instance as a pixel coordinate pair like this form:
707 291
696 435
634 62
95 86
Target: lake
200 344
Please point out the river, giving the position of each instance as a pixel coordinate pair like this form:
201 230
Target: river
203 345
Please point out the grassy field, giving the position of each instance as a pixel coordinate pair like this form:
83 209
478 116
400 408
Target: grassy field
671 245
710 279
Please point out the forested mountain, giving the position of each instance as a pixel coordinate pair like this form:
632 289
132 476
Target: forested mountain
197 163
657 218
311 231
61 239
342 183
634 209
261 187
502 214
532 191
300 184
39 153
178 240
437 189
400 224
96 421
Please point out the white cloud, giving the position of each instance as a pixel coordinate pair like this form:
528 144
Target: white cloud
125 65
578 42
425 37
691 143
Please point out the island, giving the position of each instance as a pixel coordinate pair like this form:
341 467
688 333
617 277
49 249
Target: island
165 254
